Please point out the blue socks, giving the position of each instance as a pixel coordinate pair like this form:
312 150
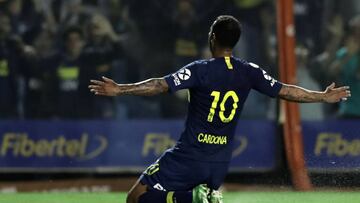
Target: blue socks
152 196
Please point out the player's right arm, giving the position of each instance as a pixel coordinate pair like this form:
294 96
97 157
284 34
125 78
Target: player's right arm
108 87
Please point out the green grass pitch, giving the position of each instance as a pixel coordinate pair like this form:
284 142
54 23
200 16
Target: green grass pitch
229 197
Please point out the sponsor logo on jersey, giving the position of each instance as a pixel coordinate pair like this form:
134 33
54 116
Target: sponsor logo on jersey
177 81
212 139
269 78
181 75
159 187
184 74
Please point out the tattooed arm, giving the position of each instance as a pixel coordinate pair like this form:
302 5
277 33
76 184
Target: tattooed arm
298 94
108 87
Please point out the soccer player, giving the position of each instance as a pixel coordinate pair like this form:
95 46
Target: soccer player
218 89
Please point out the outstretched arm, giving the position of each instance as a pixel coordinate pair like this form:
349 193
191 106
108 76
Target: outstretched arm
298 94
108 87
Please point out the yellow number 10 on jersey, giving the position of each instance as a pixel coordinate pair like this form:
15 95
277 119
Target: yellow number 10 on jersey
213 107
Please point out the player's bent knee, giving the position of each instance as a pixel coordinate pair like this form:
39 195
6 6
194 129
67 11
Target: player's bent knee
131 198
135 192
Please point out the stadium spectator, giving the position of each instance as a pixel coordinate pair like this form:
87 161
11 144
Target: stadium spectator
7 71
39 81
71 13
251 46
319 65
63 68
346 9
186 42
14 55
347 67
117 12
25 20
150 53
187 47
309 34
314 111
102 49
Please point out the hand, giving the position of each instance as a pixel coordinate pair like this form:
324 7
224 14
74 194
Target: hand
332 94
107 87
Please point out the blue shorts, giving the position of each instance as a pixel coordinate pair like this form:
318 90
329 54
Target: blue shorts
173 173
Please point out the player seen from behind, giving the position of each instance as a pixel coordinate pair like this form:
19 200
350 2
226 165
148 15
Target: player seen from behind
194 169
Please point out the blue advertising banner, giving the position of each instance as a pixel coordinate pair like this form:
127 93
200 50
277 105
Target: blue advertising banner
332 145
117 146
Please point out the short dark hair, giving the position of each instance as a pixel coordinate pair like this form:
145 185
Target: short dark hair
227 30
72 29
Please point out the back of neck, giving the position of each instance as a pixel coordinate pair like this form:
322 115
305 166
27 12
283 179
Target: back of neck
222 53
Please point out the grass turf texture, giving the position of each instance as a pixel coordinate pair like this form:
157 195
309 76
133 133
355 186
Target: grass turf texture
229 197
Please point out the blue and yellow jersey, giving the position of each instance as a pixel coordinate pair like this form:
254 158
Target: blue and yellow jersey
218 88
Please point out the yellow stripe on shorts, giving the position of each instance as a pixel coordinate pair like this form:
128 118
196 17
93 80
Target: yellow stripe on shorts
169 197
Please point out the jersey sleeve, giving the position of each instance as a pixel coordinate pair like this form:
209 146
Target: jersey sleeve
263 82
185 78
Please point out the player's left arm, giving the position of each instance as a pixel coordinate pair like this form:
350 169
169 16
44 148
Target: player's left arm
108 87
330 95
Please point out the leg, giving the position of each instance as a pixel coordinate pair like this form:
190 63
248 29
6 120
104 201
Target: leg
153 195
168 180
140 193
219 173
135 192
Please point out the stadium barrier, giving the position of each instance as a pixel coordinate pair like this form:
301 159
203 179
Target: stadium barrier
103 146
332 146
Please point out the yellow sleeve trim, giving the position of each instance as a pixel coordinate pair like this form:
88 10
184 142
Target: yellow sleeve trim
228 62
169 197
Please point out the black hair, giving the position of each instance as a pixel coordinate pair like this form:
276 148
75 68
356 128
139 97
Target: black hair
72 29
227 30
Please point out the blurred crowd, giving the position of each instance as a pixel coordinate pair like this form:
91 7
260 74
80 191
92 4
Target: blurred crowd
50 49
328 42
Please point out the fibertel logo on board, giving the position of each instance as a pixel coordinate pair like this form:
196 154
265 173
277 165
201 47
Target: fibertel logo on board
82 148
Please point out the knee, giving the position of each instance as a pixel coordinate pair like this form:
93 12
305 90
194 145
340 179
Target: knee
131 197
135 192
